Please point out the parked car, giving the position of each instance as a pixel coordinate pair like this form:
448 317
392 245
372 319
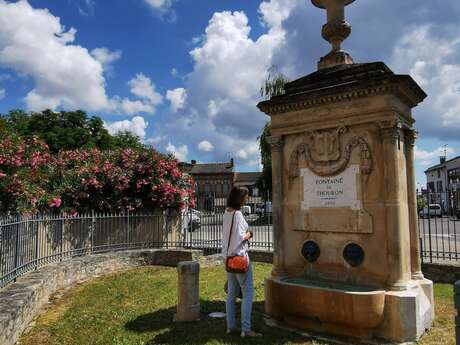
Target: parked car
246 209
433 210
191 220
264 208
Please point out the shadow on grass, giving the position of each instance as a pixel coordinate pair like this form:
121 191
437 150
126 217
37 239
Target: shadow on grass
207 330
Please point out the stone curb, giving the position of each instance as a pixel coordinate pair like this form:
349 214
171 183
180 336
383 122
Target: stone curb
21 301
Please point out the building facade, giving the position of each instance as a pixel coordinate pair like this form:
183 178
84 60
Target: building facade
215 180
443 184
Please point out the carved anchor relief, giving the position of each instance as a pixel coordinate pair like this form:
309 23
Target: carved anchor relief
326 156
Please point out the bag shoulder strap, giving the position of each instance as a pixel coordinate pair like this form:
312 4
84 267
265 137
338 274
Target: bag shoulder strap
231 230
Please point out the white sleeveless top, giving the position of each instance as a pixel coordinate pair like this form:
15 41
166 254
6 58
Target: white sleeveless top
237 244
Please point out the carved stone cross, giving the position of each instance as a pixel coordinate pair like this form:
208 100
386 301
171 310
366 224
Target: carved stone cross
335 31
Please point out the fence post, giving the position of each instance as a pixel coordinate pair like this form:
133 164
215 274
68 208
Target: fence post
62 237
128 230
93 222
429 228
16 254
1 251
37 239
457 308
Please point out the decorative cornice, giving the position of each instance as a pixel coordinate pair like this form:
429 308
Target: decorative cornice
410 94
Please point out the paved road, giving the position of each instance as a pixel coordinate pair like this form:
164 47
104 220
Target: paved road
445 235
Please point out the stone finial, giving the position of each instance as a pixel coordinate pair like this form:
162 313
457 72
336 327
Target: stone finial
335 31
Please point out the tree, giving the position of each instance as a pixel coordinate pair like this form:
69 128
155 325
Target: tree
274 84
126 140
264 183
66 130
271 87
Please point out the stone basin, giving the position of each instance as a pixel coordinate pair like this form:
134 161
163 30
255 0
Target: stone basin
324 306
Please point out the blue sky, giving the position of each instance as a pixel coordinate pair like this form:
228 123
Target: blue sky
185 75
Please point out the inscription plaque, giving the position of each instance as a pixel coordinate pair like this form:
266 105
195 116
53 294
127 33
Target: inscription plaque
335 191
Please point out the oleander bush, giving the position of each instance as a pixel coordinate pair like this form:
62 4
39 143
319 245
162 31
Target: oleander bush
32 179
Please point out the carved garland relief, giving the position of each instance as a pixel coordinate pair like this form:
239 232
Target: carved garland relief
326 156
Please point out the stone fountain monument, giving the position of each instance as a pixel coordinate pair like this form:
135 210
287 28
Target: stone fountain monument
346 259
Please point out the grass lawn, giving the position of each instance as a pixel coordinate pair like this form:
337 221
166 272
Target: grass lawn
136 307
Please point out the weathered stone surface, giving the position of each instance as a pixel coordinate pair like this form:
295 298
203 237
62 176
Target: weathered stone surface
188 291
342 160
20 302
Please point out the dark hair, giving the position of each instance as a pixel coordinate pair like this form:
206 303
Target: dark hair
236 197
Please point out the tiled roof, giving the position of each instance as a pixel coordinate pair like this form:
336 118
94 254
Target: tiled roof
247 176
212 168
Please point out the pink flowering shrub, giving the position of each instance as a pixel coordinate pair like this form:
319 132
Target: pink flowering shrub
32 180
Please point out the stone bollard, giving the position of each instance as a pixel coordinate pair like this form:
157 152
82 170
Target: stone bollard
457 307
188 292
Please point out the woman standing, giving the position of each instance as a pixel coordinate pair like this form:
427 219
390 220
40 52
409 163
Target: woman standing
238 245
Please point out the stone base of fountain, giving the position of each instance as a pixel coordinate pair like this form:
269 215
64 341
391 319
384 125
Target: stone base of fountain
353 311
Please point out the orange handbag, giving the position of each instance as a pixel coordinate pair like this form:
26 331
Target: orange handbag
236 263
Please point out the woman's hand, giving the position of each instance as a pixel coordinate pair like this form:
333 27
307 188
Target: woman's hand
248 236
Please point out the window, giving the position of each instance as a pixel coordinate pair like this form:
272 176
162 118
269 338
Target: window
439 173
454 176
439 186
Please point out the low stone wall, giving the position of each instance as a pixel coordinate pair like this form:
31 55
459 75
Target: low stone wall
22 300
261 256
441 273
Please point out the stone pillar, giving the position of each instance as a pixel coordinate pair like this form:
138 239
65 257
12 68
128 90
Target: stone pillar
188 292
395 238
277 204
415 261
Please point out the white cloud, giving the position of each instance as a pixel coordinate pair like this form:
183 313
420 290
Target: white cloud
34 43
434 63
426 158
142 87
159 3
229 66
88 8
53 63
2 93
275 12
205 146
174 72
163 8
106 57
136 126
177 98
126 106
179 152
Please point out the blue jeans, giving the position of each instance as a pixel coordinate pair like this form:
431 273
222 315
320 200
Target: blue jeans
247 287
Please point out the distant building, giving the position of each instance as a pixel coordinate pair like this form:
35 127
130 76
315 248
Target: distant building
248 180
443 183
215 180
213 183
